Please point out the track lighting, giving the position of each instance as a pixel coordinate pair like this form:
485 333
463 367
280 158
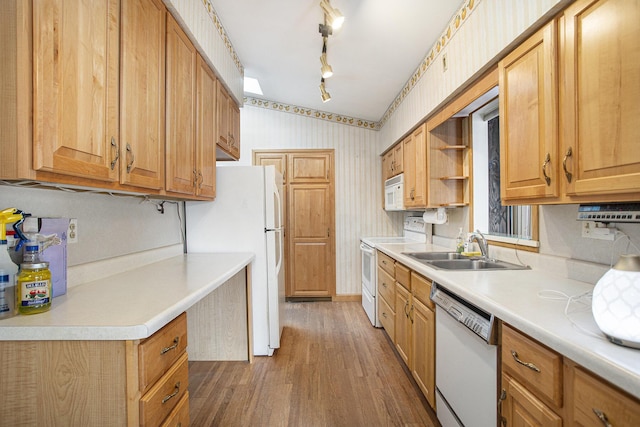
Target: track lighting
334 17
326 69
323 92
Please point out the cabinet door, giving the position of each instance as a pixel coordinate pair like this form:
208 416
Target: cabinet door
423 349
142 91
312 269
528 118
234 128
222 115
279 160
75 93
309 167
521 408
403 323
415 169
181 173
398 159
602 88
388 165
205 129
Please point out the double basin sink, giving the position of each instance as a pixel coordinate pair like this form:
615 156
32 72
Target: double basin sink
456 261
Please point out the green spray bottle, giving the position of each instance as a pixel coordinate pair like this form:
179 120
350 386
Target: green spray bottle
8 270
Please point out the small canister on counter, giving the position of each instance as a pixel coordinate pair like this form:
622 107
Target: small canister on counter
33 287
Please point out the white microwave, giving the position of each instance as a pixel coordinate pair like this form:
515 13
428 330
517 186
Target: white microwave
394 193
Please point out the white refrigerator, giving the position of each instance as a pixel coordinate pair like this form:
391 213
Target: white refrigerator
246 216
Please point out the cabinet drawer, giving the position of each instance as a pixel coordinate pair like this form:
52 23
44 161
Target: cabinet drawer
421 288
161 350
537 366
387 318
386 288
593 396
403 276
179 417
165 394
386 263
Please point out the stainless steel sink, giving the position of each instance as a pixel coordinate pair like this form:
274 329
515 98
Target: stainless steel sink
475 264
456 261
431 256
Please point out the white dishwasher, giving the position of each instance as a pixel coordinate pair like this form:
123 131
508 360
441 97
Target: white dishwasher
466 362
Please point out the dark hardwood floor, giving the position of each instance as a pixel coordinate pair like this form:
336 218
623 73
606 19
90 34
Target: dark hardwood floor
333 369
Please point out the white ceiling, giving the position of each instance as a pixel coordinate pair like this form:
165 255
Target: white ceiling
373 55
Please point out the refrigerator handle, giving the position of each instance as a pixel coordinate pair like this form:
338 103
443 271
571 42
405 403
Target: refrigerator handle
280 228
279 203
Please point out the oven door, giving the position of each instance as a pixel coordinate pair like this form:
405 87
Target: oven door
369 283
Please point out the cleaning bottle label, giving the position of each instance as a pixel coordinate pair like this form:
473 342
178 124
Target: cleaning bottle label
34 293
6 294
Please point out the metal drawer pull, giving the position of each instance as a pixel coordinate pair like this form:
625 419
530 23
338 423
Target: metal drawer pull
115 147
503 397
406 313
602 416
564 165
547 160
175 392
527 364
176 340
130 154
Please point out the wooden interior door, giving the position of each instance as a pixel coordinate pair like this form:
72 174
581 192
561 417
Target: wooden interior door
312 266
75 93
309 218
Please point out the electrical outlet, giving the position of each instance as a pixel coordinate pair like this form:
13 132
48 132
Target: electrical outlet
598 230
72 231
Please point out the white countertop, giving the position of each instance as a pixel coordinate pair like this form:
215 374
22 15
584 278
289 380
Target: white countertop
514 296
129 305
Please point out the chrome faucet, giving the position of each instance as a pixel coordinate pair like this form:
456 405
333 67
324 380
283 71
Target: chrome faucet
479 238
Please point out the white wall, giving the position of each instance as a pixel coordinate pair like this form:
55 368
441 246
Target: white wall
108 226
358 193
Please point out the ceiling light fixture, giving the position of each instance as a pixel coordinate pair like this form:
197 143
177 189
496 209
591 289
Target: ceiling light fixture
323 92
334 17
326 69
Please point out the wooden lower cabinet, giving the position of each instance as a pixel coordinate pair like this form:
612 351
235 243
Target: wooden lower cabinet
97 383
543 388
423 347
403 323
520 407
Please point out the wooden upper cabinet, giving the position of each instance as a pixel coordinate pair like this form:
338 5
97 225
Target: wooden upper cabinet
398 158
228 119
309 168
75 88
205 130
600 100
142 91
415 168
181 173
528 110
279 160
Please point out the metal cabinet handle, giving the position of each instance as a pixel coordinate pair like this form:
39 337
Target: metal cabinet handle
564 165
195 178
130 154
412 194
411 314
200 179
384 284
117 156
547 160
175 393
502 398
602 417
406 313
384 314
176 340
527 364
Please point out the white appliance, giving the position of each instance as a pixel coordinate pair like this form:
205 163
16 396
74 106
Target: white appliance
246 216
466 362
415 231
394 193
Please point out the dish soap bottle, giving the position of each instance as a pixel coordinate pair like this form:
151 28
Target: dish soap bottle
34 282
460 242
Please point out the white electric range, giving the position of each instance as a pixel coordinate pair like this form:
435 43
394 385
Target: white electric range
415 230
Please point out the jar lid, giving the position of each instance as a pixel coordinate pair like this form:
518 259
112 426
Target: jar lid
34 265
